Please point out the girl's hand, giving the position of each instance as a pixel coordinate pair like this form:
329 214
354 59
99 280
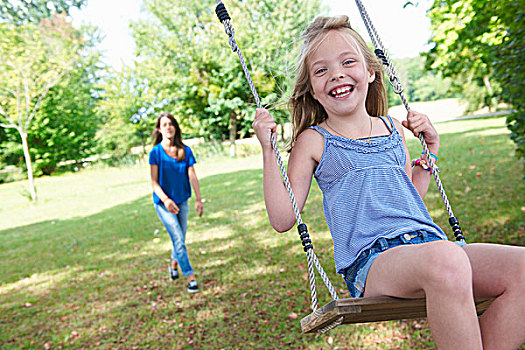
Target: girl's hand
263 125
199 207
171 206
420 123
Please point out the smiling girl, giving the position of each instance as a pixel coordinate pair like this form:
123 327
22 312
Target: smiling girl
385 242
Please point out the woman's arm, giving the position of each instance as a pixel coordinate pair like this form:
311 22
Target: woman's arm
301 166
168 203
195 184
417 123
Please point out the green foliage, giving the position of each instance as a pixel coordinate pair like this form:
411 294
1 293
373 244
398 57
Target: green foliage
33 11
34 60
37 59
508 69
11 148
483 42
432 87
126 114
65 125
419 84
184 52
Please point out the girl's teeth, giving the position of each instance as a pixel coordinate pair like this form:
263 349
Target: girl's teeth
339 92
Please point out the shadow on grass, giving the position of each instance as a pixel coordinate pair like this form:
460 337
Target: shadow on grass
101 281
482 180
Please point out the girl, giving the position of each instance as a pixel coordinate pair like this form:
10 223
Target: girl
385 242
172 171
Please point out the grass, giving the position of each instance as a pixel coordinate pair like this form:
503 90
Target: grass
86 267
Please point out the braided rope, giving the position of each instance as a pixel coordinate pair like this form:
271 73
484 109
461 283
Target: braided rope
323 275
317 313
331 325
378 44
398 89
311 257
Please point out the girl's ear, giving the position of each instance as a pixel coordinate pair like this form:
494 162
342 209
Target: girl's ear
311 91
371 76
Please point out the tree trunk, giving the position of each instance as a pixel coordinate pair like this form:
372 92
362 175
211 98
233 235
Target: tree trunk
488 86
233 133
143 140
29 166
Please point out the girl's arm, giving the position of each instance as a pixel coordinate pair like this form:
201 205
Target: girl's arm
195 184
417 123
168 203
301 165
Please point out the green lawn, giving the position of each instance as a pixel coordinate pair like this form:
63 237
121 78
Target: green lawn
86 267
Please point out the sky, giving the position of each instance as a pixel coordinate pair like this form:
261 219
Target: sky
404 32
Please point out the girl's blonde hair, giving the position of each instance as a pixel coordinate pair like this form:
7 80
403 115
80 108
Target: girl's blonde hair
307 111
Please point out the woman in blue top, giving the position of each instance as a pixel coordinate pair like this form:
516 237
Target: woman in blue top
385 242
172 172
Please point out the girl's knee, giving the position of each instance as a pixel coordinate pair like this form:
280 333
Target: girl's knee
179 248
448 268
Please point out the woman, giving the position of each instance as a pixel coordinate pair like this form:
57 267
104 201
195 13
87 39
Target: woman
172 172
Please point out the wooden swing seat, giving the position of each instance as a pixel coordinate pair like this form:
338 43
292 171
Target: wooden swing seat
374 309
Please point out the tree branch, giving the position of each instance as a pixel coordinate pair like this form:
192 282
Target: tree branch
8 126
45 91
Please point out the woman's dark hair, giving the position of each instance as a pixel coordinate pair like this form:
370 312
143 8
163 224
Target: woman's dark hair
177 140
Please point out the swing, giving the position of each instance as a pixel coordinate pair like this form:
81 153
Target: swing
350 310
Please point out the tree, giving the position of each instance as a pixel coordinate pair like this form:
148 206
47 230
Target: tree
484 42
33 11
35 59
64 126
186 57
127 108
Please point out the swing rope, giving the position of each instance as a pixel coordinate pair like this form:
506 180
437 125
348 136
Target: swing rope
382 54
312 259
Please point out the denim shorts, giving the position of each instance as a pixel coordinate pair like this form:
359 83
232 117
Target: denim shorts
355 275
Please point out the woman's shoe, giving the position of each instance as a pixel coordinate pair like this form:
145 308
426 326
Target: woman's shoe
193 287
174 273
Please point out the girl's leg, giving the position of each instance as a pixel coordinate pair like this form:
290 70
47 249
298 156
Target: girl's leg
440 271
499 271
173 226
184 212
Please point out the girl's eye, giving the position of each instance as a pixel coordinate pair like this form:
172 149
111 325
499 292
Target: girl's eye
348 62
320 71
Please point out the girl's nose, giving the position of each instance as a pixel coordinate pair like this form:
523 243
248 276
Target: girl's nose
337 76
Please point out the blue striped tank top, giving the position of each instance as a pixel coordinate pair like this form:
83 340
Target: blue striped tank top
367 193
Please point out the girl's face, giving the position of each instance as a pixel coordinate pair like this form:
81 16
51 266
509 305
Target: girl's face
338 75
167 129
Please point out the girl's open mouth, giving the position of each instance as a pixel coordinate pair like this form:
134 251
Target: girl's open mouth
342 91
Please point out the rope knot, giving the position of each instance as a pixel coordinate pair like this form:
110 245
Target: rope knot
222 13
305 237
381 55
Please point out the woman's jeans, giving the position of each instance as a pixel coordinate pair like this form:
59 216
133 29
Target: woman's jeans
176 225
